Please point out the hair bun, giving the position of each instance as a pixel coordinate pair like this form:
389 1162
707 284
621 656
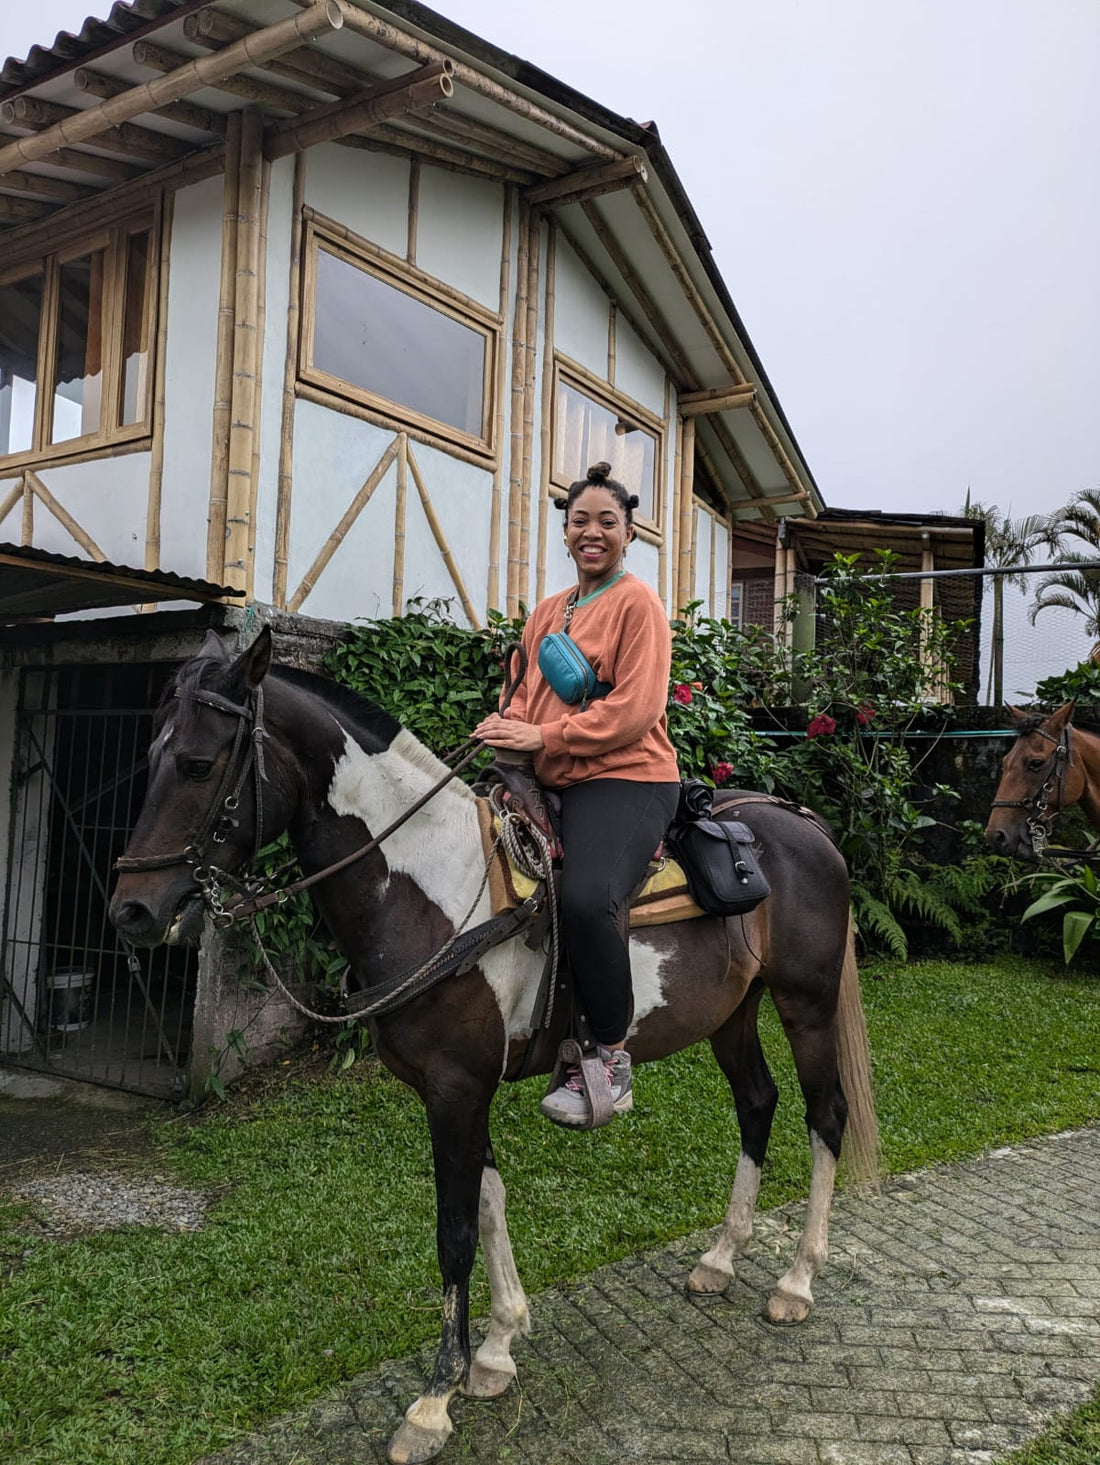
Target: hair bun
633 501
562 503
599 473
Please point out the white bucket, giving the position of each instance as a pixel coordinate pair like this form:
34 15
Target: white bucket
69 993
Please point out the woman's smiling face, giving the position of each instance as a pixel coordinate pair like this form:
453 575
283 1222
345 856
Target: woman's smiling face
596 533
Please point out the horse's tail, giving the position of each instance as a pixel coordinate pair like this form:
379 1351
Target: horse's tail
861 1152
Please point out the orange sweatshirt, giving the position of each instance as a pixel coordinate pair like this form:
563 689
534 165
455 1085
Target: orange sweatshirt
625 636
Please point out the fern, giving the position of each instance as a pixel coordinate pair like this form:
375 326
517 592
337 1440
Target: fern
871 914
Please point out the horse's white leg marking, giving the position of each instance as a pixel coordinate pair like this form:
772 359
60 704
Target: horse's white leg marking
427 1425
792 1299
715 1267
493 1368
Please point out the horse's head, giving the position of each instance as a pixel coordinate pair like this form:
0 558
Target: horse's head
206 782
1039 778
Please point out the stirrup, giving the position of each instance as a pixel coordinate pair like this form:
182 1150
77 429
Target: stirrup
597 1091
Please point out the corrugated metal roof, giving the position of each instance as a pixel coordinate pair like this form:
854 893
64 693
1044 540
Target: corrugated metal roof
122 22
34 583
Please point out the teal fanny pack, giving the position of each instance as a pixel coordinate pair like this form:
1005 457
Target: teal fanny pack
564 664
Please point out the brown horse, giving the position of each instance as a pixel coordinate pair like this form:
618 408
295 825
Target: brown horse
239 748
1051 766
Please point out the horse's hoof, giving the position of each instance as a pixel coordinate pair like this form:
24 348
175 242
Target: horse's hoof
785 1310
487 1383
708 1281
412 1443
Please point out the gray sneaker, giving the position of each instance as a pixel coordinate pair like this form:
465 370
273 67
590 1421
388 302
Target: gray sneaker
569 1104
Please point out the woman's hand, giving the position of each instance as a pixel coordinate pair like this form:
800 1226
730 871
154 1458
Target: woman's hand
506 732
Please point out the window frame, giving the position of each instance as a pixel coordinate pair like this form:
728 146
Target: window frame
604 395
114 239
391 270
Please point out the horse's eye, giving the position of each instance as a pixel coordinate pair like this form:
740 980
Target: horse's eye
1034 764
197 768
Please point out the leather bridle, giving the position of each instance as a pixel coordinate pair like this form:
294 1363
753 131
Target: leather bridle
1039 821
246 757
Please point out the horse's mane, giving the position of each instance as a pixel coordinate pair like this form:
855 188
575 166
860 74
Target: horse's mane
374 723
366 716
1031 723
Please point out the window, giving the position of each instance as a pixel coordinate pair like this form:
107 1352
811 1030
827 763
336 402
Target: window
380 333
590 428
737 603
75 345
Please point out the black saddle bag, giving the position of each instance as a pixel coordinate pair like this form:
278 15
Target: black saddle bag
721 868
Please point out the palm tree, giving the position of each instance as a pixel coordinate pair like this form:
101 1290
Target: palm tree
1076 589
1008 543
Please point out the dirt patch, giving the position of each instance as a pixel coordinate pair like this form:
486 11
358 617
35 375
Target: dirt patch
74 1204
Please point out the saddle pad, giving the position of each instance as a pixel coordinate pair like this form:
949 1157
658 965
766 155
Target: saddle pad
662 899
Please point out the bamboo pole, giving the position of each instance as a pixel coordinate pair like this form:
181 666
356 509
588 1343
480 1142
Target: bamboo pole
261 328
588 183
494 143
441 541
245 401
335 539
531 342
337 119
682 582
713 557
223 359
98 84
125 139
546 444
24 210
105 207
398 142
716 399
611 346
492 593
27 531
384 34
55 188
267 94
214 28
321 17
284 492
62 515
400 506
156 453
18 489
414 211
111 170
668 504
515 422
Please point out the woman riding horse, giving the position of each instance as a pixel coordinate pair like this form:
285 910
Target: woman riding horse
609 758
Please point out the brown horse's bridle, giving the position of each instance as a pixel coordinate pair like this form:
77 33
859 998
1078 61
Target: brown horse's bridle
246 757
1039 820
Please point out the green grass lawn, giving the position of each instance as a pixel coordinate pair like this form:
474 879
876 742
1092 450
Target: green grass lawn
318 1257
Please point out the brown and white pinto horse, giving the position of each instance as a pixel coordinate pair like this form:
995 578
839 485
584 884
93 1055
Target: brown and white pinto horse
1051 766
333 769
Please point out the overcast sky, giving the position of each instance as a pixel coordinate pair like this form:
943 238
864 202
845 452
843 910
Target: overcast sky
903 198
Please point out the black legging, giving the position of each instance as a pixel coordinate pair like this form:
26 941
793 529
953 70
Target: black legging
610 830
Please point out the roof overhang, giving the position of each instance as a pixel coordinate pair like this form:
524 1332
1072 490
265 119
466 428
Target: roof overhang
952 542
167 73
36 585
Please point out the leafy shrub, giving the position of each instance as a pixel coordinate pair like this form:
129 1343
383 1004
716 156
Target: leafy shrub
1080 684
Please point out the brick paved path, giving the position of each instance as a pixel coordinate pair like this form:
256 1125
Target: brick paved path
959 1313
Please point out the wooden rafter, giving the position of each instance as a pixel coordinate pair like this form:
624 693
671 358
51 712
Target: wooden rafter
590 182
214 29
423 88
42 187
267 94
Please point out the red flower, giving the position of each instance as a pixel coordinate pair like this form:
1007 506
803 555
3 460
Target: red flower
682 693
821 726
721 773
864 715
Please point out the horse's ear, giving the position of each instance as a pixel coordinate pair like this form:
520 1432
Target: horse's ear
1016 715
252 664
1057 721
212 647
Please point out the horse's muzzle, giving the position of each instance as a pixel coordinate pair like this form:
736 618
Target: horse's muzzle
142 926
1010 842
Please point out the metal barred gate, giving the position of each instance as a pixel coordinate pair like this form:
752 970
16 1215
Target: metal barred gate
69 1004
